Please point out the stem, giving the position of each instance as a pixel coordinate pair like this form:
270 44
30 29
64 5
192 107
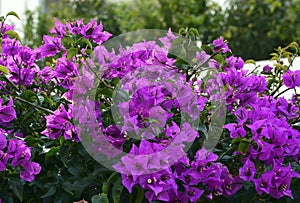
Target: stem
225 153
282 93
19 67
35 106
253 70
2 23
188 77
292 61
274 92
3 87
11 83
97 76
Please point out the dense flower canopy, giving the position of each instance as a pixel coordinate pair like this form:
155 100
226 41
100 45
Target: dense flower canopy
162 103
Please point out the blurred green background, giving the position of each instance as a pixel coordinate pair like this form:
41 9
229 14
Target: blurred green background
253 28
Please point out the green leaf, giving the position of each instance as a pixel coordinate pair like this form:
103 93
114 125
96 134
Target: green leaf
66 42
13 34
105 187
100 198
17 187
250 61
140 195
28 116
12 13
176 43
181 64
112 178
88 51
52 152
243 146
236 140
182 31
219 58
205 80
117 190
75 168
50 192
7 198
72 52
115 81
87 42
29 95
48 100
208 49
203 129
79 185
170 55
3 69
194 31
100 171
107 92
67 186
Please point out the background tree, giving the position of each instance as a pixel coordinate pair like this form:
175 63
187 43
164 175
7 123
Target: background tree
125 16
254 28
37 28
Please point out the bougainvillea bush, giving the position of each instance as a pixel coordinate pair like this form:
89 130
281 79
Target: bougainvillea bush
59 114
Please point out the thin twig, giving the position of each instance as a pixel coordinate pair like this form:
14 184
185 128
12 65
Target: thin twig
19 67
35 106
282 93
11 83
279 86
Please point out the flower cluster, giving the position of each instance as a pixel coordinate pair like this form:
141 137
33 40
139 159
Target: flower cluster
21 70
66 69
15 152
59 124
153 113
180 183
20 61
262 123
262 120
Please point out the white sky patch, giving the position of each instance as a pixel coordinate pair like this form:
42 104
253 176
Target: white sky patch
18 6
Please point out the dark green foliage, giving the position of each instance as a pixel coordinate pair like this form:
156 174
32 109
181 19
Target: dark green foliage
254 28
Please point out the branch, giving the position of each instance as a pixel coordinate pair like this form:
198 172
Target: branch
35 106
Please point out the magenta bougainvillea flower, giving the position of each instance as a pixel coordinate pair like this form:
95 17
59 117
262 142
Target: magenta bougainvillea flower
51 47
17 154
59 124
7 113
59 29
248 171
267 69
291 79
94 31
220 45
29 170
